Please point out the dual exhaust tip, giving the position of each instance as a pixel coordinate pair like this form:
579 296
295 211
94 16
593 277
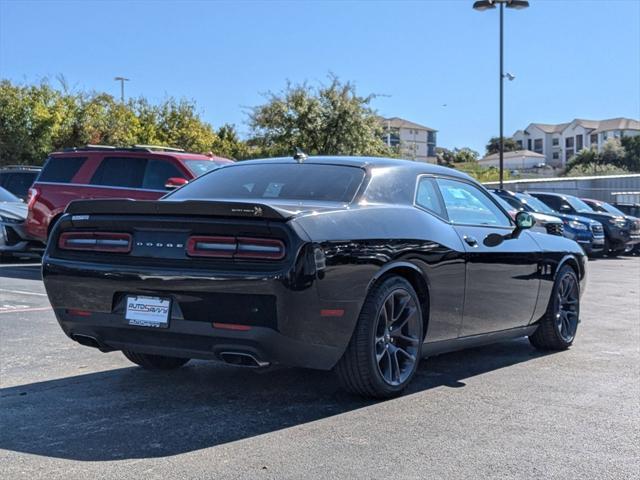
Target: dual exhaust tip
239 359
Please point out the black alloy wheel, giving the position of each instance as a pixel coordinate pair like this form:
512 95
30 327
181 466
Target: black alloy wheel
557 328
384 350
397 337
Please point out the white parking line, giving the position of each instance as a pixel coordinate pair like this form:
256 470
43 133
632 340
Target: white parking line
22 292
27 309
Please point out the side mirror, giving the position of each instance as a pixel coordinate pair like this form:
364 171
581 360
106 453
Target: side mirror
524 220
175 182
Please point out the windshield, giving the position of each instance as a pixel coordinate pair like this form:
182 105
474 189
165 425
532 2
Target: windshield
535 204
578 205
6 196
607 208
198 167
295 181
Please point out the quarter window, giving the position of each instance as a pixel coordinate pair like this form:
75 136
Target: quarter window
427 197
468 205
158 172
61 169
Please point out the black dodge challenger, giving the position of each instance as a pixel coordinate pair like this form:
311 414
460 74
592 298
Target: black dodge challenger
362 265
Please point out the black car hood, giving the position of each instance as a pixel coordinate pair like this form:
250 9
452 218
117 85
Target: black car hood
13 210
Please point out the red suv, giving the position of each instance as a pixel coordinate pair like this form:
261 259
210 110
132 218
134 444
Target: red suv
141 172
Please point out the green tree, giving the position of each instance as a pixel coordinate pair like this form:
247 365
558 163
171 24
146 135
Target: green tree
329 119
465 155
510 145
631 147
229 145
38 119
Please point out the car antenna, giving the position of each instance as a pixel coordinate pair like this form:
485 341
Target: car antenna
299 156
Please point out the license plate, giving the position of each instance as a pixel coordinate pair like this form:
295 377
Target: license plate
148 311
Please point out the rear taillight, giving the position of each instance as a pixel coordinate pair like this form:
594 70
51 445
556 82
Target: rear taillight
267 248
236 247
220 247
34 193
95 241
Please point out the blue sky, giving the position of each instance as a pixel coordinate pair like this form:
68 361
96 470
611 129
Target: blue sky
572 58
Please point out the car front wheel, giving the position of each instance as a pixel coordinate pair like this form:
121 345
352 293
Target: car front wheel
557 329
384 351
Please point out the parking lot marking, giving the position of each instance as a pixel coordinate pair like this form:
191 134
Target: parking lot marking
22 292
27 309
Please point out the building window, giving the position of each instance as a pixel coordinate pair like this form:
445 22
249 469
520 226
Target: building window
431 137
594 139
528 144
555 142
568 142
579 144
537 145
519 142
568 155
556 155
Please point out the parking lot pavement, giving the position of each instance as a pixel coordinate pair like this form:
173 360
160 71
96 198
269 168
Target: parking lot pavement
501 411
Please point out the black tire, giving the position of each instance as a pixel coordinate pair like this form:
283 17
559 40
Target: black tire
558 327
154 362
367 367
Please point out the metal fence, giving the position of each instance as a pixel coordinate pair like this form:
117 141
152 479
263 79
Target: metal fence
598 188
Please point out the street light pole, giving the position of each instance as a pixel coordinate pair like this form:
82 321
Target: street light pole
501 94
482 5
121 80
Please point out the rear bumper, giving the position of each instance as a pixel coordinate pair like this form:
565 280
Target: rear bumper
188 339
296 332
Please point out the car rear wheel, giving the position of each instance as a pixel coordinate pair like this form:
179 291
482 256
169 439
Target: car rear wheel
154 362
384 351
557 329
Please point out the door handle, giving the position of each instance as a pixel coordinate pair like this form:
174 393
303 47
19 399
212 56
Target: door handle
471 241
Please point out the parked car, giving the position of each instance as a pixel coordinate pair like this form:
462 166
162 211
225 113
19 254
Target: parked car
544 223
632 209
359 264
141 172
617 233
632 222
13 239
587 232
18 179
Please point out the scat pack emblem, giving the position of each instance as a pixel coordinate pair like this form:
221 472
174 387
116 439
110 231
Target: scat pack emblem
256 211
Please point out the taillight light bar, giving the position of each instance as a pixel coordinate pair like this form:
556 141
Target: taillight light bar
236 247
95 241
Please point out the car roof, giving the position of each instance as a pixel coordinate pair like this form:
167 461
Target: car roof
20 168
553 194
367 163
139 152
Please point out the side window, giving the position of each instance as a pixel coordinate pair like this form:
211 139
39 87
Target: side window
427 196
468 205
553 202
120 172
19 183
158 172
61 169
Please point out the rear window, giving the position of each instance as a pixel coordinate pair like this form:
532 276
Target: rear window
304 181
18 183
61 169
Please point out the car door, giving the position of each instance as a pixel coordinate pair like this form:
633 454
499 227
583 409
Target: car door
502 281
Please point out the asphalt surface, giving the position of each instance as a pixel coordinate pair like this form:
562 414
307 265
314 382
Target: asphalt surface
502 411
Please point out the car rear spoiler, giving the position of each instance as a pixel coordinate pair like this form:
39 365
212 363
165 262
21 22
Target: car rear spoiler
215 208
